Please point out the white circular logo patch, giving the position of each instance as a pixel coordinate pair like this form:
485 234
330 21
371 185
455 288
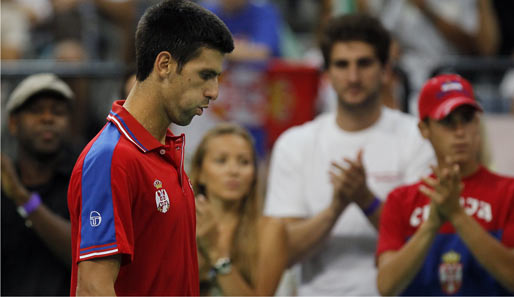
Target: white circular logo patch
95 219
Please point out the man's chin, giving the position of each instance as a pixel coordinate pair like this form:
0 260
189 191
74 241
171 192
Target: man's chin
184 122
362 102
43 154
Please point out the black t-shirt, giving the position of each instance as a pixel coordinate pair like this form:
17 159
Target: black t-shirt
29 267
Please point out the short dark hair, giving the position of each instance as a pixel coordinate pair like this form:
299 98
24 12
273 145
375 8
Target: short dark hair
355 27
180 27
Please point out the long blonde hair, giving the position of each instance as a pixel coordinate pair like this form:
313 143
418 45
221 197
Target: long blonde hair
244 243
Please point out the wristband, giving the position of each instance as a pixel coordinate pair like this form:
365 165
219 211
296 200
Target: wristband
222 266
26 209
372 207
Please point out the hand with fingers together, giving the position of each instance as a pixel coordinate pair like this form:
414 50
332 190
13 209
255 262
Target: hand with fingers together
444 190
349 181
213 241
206 226
11 183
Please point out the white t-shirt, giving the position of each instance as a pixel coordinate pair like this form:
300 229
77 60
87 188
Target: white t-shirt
394 153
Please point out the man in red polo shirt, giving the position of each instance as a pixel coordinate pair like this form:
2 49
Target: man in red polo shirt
131 204
451 233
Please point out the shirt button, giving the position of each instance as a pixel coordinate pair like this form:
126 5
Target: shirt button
162 151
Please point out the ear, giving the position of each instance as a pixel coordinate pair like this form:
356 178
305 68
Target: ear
424 129
13 125
164 64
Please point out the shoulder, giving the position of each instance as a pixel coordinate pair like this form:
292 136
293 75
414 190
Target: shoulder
400 120
403 128
271 227
306 132
404 193
107 148
496 180
296 143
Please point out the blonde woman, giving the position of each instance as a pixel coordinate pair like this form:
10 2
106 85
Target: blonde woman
240 251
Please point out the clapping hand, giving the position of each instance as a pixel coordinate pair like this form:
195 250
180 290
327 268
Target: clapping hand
206 226
444 190
11 184
349 181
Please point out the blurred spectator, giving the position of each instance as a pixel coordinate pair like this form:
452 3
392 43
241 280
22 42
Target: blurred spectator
36 249
507 88
451 233
124 15
430 30
100 29
240 251
328 176
505 11
15 30
255 26
396 89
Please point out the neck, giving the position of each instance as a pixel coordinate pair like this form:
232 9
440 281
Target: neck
358 118
468 169
227 212
35 171
144 105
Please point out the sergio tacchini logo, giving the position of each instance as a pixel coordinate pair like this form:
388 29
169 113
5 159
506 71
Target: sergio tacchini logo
95 219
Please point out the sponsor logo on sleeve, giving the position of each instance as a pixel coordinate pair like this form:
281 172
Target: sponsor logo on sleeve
95 219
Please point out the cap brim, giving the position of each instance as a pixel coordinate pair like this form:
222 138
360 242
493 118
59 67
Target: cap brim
450 105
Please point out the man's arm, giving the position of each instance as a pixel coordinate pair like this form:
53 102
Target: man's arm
96 277
484 42
396 269
305 234
496 258
54 230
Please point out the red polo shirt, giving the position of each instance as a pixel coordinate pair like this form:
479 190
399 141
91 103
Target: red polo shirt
129 195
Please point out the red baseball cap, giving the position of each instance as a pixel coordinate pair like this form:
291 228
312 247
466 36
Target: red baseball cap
443 94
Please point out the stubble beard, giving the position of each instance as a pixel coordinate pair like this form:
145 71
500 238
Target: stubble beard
364 106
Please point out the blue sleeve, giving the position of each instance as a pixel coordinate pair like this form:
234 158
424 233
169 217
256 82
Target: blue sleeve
97 223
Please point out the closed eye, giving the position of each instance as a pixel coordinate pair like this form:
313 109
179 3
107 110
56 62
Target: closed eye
208 74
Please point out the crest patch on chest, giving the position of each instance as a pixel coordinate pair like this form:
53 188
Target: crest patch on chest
161 197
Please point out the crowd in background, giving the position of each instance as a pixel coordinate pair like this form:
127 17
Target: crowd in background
458 36
276 54
103 30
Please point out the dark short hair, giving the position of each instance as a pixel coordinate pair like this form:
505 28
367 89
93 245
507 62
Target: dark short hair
355 27
180 27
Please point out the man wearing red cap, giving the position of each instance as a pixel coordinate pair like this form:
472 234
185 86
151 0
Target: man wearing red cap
453 232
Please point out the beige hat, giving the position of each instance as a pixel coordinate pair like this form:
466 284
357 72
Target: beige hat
34 84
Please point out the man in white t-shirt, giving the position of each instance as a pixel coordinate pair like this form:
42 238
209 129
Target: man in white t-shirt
329 176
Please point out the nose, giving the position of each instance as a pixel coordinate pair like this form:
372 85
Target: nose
233 168
353 73
212 90
46 115
459 127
